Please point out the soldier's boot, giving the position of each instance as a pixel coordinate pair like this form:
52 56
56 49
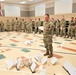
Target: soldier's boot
47 53
50 54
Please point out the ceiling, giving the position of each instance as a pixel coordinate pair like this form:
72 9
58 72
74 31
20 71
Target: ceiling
28 2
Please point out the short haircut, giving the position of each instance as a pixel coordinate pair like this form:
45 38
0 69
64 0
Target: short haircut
47 15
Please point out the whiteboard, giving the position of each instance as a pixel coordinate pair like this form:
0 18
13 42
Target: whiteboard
13 11
63 6
40 10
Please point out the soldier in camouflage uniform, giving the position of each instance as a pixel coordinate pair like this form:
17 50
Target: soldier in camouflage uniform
2 26
47 38
24 26
20 24
17 24
30 26
8 25
13 25
72 31
27 25
70 27
57 27
36 26
39 24
63 27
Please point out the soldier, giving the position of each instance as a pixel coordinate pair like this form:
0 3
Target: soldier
30 26
70 26
36 26
57 27
12 24
8 25
24 26
17 24
2 26
27 27
39 24
72 30
20 24
48 36
63 27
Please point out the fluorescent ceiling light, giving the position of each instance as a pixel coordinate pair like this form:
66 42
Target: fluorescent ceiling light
31 0
2 0
23 2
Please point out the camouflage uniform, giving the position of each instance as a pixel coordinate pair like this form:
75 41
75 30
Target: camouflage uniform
39 24
72 31
27 27
36 27
70 28
48 38
57 28
8 25
63 28
30 27
17 25
20 25
2 26
75 31
24 27
13 25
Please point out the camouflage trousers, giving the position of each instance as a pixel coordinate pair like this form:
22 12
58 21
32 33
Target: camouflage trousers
63 32
69 31
48 43
57 31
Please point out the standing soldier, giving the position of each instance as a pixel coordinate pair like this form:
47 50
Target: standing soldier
63 27
24 26
12 24
30 26
23 23
70 27
20 23
36 26
17 24
72 30
48 36
2 26
8 25
57 27
39 24
27 25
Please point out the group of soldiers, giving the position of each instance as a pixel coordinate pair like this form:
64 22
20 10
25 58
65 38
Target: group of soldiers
29 26
21 25
61 29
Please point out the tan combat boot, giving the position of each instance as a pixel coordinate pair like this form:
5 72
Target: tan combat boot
50 55
47 53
